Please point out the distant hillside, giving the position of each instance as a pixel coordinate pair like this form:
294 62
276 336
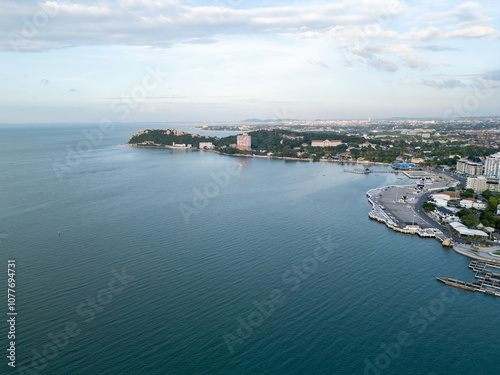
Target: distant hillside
168 137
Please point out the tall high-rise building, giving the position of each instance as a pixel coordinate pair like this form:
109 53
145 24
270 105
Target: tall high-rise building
492 166
478 184
244 142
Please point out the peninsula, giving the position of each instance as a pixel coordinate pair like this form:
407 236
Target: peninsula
264 143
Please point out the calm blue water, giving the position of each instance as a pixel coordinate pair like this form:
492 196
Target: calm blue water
194 277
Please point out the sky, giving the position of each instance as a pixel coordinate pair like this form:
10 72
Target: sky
230 60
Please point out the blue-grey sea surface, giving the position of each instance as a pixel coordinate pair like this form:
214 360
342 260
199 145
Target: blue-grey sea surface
160 261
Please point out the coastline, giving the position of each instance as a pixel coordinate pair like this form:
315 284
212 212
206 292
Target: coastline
262 156
380 214
479 253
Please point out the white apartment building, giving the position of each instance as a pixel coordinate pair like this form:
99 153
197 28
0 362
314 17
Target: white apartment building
469 168
478 184
492 166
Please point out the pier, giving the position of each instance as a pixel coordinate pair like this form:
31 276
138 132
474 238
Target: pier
487 275
368 170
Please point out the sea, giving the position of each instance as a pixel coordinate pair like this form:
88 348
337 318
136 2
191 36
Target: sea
160 261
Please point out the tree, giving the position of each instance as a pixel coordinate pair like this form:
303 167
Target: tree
428 206
493 203
469 193
486 194
470 219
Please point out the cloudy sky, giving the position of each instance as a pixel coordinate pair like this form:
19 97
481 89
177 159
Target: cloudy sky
223 60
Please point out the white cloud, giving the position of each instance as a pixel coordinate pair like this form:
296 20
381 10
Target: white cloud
416 62
52 25
373 60
445 84
463 14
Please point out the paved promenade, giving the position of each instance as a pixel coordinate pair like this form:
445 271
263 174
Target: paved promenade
482 253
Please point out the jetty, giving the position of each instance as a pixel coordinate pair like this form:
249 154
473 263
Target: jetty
368 170
487 275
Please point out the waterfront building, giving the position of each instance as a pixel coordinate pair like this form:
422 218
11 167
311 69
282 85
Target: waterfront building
325 143
469 168
492 166
207 145
181 145
244 142
478 184
404 166
464 231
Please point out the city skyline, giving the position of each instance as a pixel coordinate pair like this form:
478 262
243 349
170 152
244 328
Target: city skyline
228 60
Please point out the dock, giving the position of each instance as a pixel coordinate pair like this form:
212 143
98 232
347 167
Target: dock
486 270
487 275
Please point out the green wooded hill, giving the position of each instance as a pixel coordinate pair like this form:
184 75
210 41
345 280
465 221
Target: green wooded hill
280 142
168 137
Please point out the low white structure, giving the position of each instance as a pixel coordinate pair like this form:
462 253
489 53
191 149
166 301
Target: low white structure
181 145
325 143
206 145
469 203
366 144
464 231
441 200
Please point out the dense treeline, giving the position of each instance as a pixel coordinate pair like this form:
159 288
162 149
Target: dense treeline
288 143
160 137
